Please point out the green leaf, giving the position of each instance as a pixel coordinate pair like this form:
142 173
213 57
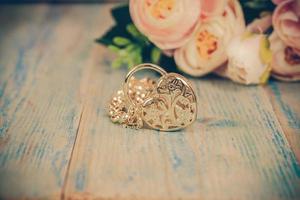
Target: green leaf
115 31
114 48
134 57
155 55
123 52
130 47
117 63
138 59
137 56
142 39
130 62
124 39
132 30
121 41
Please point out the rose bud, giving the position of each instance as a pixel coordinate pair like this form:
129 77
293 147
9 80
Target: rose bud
249 59
286 22
167 23
206 49
286 60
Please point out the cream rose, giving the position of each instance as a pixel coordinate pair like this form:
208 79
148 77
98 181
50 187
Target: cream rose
167 23
207 48
249 59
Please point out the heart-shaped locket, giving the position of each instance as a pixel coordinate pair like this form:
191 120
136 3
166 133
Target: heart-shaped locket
167 105
172 105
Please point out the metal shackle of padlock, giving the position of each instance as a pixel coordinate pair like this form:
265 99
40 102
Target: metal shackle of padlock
166 105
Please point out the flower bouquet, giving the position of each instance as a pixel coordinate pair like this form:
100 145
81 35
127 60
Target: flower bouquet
245 41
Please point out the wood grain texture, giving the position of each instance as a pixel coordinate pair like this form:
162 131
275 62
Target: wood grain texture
236 150
43 55
56 141
285 99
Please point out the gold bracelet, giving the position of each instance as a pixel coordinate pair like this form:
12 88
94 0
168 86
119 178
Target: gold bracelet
167 105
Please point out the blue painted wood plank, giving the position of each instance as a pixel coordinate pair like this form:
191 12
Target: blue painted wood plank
42 61
285 100
236 150
54 93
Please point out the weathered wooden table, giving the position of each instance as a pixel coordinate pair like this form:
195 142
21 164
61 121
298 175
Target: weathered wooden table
56 140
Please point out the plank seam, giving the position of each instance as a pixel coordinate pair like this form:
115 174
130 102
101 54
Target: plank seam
266 92
62 196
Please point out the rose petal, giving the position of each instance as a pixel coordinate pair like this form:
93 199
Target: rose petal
246 63
283 69
213 7
286 22
168 31
205 51
260 25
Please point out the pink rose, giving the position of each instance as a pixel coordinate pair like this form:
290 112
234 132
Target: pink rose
286 60
167 23
206 50
212 7
286 22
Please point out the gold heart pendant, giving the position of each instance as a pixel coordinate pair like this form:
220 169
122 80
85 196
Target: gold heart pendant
172 105
168 105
